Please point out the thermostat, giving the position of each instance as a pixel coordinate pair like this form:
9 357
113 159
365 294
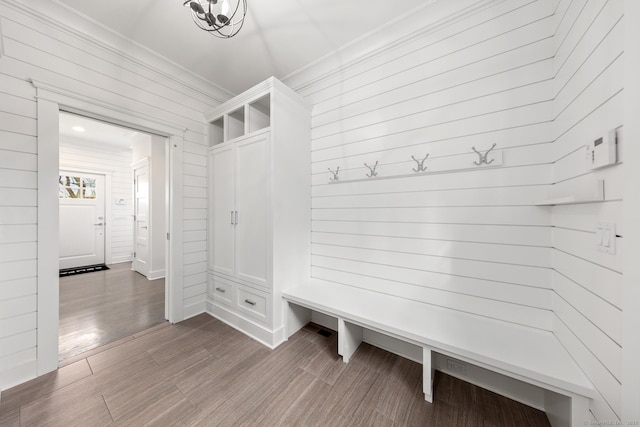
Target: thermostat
602 151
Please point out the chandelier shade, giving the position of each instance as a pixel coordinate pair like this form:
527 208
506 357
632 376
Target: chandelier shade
221 18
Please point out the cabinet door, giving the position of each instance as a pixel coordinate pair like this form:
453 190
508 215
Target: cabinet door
221 208
252 204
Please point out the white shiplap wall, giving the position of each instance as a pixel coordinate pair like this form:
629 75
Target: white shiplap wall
53 51
195 221
117 162
468 239
588 77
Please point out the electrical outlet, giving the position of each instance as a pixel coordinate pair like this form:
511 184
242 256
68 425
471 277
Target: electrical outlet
456 367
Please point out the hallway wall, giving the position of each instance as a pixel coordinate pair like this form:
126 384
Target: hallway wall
73 154
75 57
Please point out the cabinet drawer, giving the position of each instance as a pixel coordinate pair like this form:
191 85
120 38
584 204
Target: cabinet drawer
253 303
221 290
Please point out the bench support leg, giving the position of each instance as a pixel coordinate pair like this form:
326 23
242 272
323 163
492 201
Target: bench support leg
297 318
349 338
427 374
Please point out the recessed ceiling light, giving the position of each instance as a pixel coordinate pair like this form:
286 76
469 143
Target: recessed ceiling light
78 128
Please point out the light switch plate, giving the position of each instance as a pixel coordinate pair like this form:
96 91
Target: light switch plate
606 237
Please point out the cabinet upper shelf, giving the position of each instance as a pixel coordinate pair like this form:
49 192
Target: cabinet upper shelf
248 118
247 113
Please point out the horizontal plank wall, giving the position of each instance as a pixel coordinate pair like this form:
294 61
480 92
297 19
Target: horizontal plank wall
117 162
466 237
195 223
67 52
588 299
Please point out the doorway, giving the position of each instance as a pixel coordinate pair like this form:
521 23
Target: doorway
99 202
82 219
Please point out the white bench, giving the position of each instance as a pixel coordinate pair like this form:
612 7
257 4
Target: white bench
523 353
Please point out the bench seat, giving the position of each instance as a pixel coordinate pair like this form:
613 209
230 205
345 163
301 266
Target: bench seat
520 352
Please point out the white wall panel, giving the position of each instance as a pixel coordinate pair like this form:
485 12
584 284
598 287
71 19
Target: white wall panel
463 237
588 69
96 65
73 154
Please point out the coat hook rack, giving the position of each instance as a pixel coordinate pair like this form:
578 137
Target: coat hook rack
420 164
335 174
372 169
483 157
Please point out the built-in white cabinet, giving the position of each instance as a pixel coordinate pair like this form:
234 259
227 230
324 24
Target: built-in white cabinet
259 207
239 208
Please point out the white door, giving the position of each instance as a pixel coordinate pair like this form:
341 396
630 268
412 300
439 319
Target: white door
252 206
221 208
82 219
141 215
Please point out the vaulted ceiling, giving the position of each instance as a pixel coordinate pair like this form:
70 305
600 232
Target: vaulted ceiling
278 38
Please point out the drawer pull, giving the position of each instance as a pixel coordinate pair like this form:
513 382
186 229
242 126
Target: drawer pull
221 290
248 301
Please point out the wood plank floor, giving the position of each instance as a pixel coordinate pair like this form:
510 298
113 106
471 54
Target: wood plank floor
105 306
201 372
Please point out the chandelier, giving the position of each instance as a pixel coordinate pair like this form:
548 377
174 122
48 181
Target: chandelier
222 18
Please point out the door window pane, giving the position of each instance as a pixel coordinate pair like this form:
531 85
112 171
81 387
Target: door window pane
76 187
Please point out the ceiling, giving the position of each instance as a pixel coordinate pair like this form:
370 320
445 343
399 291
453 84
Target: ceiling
278 37
84 131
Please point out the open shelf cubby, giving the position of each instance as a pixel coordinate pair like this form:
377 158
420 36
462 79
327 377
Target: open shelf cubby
252 116
216 132
259 113
235 124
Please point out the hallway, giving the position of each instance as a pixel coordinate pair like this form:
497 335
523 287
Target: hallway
103 307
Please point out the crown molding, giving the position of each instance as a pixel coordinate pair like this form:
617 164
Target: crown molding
256 92
75 102
428 18
81 27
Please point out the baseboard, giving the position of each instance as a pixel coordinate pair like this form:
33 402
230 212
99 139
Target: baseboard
193 310
503 385
119 260
263 335
18 374
156 274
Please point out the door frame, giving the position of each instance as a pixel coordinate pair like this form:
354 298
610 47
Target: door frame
107 206
51 100
137 165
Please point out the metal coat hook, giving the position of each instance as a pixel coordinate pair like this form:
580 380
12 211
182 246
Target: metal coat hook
372 169
335 174
483 157
421 166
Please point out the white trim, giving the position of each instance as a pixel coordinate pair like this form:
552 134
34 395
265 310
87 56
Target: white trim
48 230
107 202
263 335
95 171
174 264
49 105
144 162
107 218
631 211
77 103
155 275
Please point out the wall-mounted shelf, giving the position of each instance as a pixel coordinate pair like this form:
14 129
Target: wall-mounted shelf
597 195
433 167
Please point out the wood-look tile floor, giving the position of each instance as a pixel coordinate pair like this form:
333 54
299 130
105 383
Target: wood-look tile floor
201 372
104 306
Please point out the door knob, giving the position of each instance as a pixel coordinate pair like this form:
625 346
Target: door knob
144 226
100 223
